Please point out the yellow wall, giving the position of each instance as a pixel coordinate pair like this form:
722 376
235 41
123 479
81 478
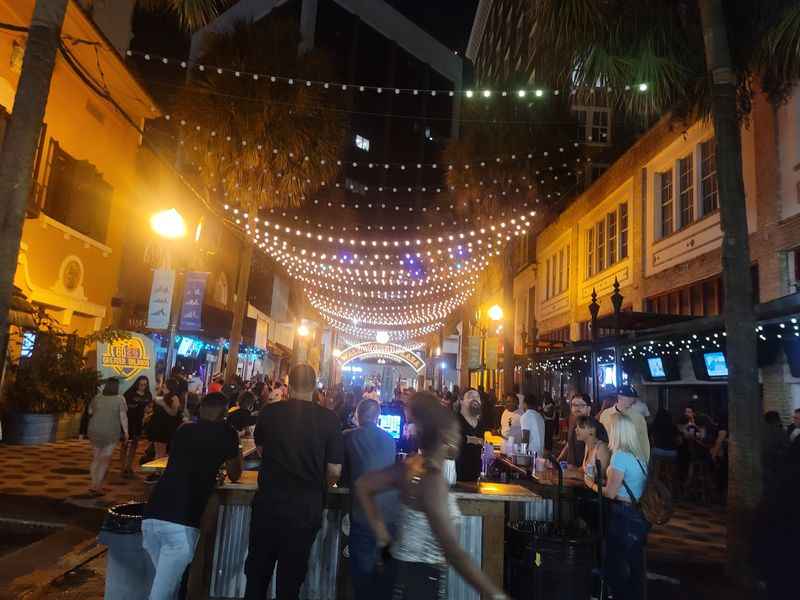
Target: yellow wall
88 128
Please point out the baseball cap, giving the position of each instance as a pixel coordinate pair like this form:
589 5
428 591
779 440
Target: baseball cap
628 391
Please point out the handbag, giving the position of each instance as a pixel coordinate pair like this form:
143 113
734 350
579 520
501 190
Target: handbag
655 503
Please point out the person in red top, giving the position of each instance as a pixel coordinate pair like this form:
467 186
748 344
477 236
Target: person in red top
216 384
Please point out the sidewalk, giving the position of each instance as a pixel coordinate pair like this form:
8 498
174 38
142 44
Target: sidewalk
60 471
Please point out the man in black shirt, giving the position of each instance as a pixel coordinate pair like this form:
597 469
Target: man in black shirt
172 516
468 463
302 453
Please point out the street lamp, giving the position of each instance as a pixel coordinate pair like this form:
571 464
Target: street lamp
303 331
495 313
382 337
169 224
336 353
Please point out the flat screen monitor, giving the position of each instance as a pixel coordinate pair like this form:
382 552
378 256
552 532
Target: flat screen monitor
716 365
607 374
656 367
185 347
390 424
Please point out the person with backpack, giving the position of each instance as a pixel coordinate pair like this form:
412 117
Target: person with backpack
627 529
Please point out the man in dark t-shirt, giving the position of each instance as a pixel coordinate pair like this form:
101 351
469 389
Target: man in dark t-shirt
170 528
468 463
301 449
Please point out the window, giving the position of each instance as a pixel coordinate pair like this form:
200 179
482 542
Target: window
701 299
686 190
708 176
547 280
623 231
611 237
666 203
561 270
362 143
593 124
600 236
77 195
557 273
607 241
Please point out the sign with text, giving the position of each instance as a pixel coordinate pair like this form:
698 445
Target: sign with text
474 353
160 299
192 306
378 350
127 359
492 344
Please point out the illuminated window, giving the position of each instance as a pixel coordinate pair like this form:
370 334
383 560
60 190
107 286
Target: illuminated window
362 143
708 176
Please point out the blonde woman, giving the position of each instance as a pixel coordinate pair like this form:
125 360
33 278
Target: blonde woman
108 423
627 528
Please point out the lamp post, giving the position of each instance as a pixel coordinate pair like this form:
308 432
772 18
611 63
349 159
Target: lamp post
594 308
495 313
169 225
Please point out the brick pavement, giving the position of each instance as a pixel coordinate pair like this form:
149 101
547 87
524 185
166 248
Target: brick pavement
60 471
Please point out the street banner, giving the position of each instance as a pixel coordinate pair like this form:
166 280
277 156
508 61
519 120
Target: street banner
127 359
160 299
474 353
192 306
491 352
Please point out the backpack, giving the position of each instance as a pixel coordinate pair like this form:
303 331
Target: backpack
655 503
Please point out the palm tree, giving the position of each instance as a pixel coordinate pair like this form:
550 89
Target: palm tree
663 44
25 124
250 117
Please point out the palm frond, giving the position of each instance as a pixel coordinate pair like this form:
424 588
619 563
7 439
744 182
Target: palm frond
777 58
192 14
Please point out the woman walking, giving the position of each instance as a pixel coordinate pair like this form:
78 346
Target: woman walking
137 398
167 416
107 414
627 528
427 539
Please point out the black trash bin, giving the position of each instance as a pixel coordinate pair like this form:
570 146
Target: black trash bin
548 564
129 572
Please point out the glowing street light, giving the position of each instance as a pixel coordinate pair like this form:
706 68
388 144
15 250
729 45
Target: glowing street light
495 313
336 353
303 331
382 337
168 224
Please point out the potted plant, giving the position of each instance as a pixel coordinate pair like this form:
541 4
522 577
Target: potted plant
48 390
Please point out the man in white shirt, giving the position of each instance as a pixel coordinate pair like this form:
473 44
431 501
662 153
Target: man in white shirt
509 421
532 424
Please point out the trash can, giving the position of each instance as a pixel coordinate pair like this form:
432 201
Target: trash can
545 563
129 572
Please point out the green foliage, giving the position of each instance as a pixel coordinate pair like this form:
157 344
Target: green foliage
193 14
249 118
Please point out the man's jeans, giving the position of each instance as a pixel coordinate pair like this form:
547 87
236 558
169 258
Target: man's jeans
625 541
171 548
367 583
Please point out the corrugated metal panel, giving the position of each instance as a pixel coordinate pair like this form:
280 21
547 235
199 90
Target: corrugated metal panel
538 510
230 551
470 536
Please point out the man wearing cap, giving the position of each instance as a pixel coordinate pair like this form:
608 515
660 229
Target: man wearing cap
171 525
302 453
627 398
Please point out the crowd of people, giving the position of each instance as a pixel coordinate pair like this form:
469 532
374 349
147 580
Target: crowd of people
402 525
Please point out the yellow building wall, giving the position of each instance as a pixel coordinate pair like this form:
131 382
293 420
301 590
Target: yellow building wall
71 275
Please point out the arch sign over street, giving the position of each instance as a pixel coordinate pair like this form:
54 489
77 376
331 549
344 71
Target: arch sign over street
376 349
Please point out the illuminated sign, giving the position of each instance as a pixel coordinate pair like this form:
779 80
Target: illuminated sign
376 349
125 358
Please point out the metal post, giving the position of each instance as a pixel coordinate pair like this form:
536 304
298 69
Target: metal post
594 308
174 316
616 300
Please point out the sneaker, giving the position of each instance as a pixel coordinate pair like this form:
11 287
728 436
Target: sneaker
152 478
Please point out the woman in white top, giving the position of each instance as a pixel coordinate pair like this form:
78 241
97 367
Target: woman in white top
427 535
592 433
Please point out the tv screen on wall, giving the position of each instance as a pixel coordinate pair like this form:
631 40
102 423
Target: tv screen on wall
716 365
655 365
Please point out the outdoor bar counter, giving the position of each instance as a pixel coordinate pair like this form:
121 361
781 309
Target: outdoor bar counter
218 567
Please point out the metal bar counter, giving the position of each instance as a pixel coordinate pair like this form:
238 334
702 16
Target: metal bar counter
218 567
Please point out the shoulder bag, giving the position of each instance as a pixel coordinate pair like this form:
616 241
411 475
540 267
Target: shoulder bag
655 503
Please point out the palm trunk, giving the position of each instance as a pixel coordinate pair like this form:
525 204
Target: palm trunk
240 309
508 319
744 400
22 137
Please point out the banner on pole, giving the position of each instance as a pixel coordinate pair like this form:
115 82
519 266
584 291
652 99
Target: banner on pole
192 306
491 352
160 299
127 359
474 353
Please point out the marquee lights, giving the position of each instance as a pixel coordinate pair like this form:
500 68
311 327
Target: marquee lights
338 86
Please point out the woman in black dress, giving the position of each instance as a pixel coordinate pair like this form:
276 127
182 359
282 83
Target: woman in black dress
137 397
167 416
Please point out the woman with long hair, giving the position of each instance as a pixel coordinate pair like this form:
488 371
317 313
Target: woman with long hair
627 528
137 398
108 421
427 528
594 437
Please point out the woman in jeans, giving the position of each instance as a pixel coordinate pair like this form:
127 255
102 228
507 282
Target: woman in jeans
627 528
137 397
429 515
